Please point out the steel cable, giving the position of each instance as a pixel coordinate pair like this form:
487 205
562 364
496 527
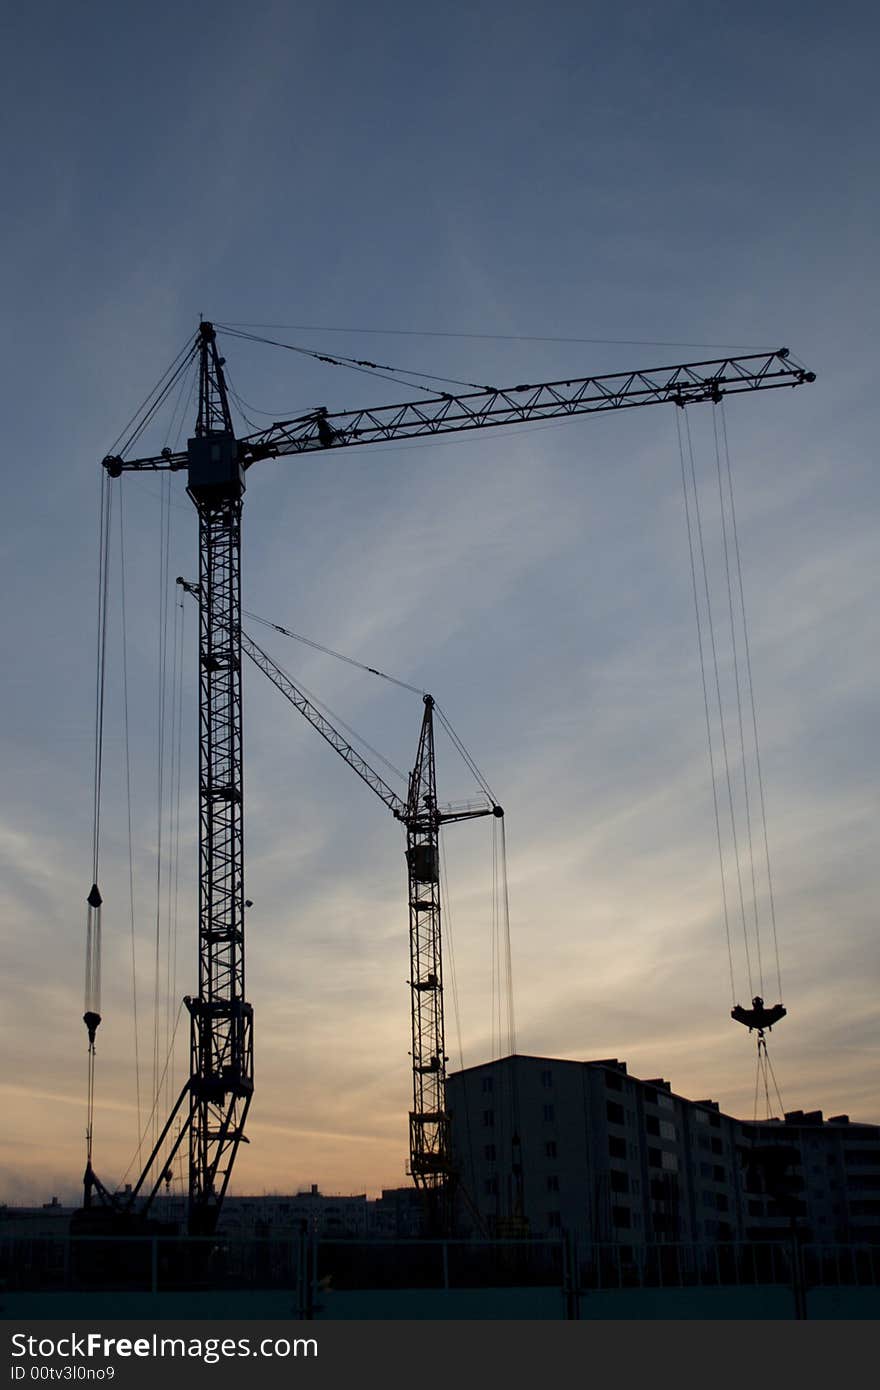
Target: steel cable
751 697
721 724
712 774
742 741
127 743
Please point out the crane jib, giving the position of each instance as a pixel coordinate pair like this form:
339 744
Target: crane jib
682 384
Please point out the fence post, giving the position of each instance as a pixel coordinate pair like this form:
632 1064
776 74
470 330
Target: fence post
798 1288
570 1277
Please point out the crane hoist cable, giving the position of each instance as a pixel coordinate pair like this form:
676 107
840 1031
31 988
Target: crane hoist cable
712 776
751 687
169 747
92 991
503 1028
164 547
728 779
173 376
758 1017
764 1070
739 712
127 747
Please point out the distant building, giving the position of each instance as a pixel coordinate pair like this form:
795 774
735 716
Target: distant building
37 1223
397 1215
556 1145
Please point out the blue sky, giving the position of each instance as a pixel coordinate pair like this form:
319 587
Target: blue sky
647 178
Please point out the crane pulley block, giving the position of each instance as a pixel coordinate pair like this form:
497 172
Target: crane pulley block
758 1016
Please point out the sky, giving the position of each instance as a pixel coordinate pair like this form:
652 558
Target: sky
494 194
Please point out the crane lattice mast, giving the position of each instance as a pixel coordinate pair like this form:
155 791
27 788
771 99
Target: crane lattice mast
218 1093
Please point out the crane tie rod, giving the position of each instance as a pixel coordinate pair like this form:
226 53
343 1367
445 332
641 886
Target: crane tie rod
328 651
404 685
357 363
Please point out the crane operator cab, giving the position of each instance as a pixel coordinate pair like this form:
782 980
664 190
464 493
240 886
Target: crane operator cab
758 1016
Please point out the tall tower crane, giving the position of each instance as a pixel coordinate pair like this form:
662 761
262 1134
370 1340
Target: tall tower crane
216 1097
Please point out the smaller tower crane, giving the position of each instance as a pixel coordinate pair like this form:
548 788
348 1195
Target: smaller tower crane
430 1153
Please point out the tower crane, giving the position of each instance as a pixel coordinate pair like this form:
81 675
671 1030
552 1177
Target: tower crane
215 1099
422 816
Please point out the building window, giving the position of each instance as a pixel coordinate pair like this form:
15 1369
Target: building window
619 1181
665 1101
548 1112
550 1148
489 1153
705 1170
613 1081
546 1079
654 1158
490 1187
701 1117
652 1124
721 1202
552 1183
616 1147
667 1130
488 1117
621 1216
670 1162
717 1146
718 1173
554 1220
488 1084
614 1112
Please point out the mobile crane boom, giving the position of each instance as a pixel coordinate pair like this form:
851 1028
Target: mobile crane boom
219 1089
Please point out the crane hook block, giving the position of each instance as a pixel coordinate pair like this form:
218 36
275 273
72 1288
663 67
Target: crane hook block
758 1016
94 899
91 1020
